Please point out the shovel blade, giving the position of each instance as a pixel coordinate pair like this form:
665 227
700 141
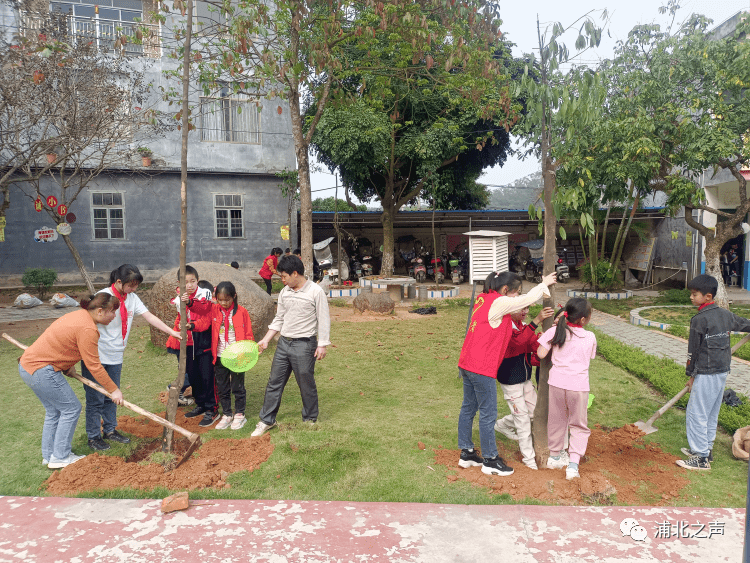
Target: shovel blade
645 427
193 446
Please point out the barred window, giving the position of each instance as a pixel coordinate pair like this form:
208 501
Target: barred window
107 216
228 215
229 118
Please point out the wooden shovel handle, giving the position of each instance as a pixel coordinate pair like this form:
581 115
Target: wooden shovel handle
740 343
666 407
127 404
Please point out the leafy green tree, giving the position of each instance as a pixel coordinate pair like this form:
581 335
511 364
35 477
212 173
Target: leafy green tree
419 125
559 106
328 204
676 108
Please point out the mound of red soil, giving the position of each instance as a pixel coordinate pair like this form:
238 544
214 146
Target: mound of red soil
616 462
208 467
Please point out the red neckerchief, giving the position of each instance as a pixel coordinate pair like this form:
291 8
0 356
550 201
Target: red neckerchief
226 312
123 310
706 305
575 325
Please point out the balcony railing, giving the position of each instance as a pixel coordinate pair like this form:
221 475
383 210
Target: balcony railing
103 32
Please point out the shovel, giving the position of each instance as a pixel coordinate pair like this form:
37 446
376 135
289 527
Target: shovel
195 439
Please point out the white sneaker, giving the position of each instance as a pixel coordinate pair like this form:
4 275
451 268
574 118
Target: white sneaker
238 421
531 465
571 473
60 463
261 428
45 461
559 463
507 431
224 423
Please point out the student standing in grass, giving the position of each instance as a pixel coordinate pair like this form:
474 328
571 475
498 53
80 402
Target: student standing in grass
709 359
572 350
101 412
514 377
230 323
269 269
484 348
71 338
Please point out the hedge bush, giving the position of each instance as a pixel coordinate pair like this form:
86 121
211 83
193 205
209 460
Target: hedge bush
39 278
665 375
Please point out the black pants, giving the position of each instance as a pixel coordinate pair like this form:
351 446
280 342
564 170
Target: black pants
200 372
230 383
297 356
269 285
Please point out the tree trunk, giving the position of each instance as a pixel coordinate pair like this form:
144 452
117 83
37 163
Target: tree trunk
541 411
713 268
615 262
174 391
620 229
387 218
79 263
604 230
434 246
303 175
593 261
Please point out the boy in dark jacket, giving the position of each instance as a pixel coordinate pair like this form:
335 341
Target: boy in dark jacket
708 361
514 377
199 366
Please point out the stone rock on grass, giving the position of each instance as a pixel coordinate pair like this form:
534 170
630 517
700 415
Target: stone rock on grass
376 302
258 303
177 501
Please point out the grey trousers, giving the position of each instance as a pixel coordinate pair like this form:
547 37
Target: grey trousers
296 356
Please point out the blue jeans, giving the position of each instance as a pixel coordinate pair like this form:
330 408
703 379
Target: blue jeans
480 392
62 406
100 410
702 413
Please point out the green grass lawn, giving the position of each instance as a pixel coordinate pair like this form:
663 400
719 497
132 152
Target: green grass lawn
682 315
384 387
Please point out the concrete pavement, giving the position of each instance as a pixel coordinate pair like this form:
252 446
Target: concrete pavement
134 531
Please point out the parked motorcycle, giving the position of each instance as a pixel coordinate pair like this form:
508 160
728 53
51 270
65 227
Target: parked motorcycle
534 265
561 268
327 263
435 268
408 257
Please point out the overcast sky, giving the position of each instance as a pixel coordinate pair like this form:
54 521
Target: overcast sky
519 26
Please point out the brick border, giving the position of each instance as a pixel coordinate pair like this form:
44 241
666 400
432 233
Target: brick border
604 295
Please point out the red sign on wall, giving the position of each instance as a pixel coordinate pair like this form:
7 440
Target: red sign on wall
38 205
51 201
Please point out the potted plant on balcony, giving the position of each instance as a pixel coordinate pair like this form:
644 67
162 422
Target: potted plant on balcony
145 153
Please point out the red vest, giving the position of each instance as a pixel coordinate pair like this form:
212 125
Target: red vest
265 272
484 347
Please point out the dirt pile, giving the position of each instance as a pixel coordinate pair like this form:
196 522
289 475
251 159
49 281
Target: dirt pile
210 466
617 462
257 302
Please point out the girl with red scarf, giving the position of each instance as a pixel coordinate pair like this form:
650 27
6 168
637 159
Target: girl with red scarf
230 323
113 339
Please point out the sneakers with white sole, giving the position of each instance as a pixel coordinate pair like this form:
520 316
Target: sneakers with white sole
531 465
559 463
470 458
60 463
496 466
224 422
261 428
571 473
506 430
687 452
238 421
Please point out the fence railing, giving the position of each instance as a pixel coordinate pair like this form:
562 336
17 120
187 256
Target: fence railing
101 31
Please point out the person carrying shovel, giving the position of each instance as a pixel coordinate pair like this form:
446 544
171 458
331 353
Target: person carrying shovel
68 340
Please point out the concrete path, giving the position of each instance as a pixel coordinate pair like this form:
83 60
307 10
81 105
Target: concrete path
134 531
45 311
659 344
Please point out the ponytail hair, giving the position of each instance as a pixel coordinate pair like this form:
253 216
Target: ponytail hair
227 288
101 300
496 281
126 273
575 311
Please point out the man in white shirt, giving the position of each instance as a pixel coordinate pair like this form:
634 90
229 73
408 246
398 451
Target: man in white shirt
304 322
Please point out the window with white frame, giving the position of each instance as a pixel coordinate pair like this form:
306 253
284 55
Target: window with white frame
228 212
107 216
229 118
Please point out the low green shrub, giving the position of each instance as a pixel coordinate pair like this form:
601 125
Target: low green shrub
39 278
665 375
604 278
675 296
